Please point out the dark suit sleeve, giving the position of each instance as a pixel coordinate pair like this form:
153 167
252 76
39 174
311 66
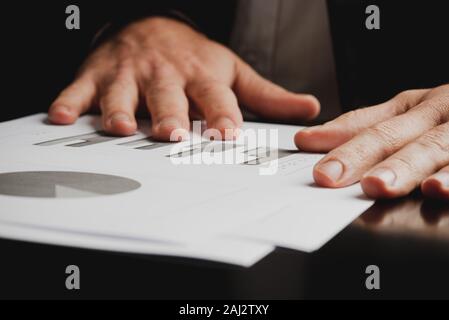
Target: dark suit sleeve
213 18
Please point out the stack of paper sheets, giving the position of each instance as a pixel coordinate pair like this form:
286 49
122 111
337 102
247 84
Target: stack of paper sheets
75 186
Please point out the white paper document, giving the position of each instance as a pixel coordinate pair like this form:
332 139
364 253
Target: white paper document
224 201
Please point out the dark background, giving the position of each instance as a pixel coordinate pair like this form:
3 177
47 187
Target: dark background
40 57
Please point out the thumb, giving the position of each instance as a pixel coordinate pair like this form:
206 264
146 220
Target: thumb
269 100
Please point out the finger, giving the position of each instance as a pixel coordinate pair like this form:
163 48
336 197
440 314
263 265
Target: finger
169 108
405 170
339 131
218 104
270 101
118 105
437 185
73 101
346 164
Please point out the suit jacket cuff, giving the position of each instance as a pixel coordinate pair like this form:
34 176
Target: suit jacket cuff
112 28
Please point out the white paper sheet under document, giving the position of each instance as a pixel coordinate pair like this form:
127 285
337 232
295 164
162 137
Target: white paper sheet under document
74 185
234 252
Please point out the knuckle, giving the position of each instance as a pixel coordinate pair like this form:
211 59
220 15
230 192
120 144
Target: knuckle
209 88
352 118
218 100
262 86
162 69
441 105
158 87
112 97
386 135
411 96
438 91
216 114
406 94
106 102
435 109
250 78
124 66
76 89
70 91
121 84
352 154
407 99
193 66
405 162
436 140
147 59
402 98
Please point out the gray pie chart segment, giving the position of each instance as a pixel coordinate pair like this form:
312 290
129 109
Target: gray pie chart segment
60 184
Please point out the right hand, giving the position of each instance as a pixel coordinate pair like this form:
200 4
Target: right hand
175 72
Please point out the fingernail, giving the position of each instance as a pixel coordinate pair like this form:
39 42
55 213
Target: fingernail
60 110
386 175
310 129
312 98
332 169
179 135
169 123
224 123
120 117
443 178
63 109
61 114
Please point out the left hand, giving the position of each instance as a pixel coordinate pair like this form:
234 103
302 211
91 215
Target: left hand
392 148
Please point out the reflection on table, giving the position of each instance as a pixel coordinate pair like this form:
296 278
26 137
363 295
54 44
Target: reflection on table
412 215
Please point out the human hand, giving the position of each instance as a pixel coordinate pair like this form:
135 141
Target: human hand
392 148
173 71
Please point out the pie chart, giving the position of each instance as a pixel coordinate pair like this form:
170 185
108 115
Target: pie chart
61 184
